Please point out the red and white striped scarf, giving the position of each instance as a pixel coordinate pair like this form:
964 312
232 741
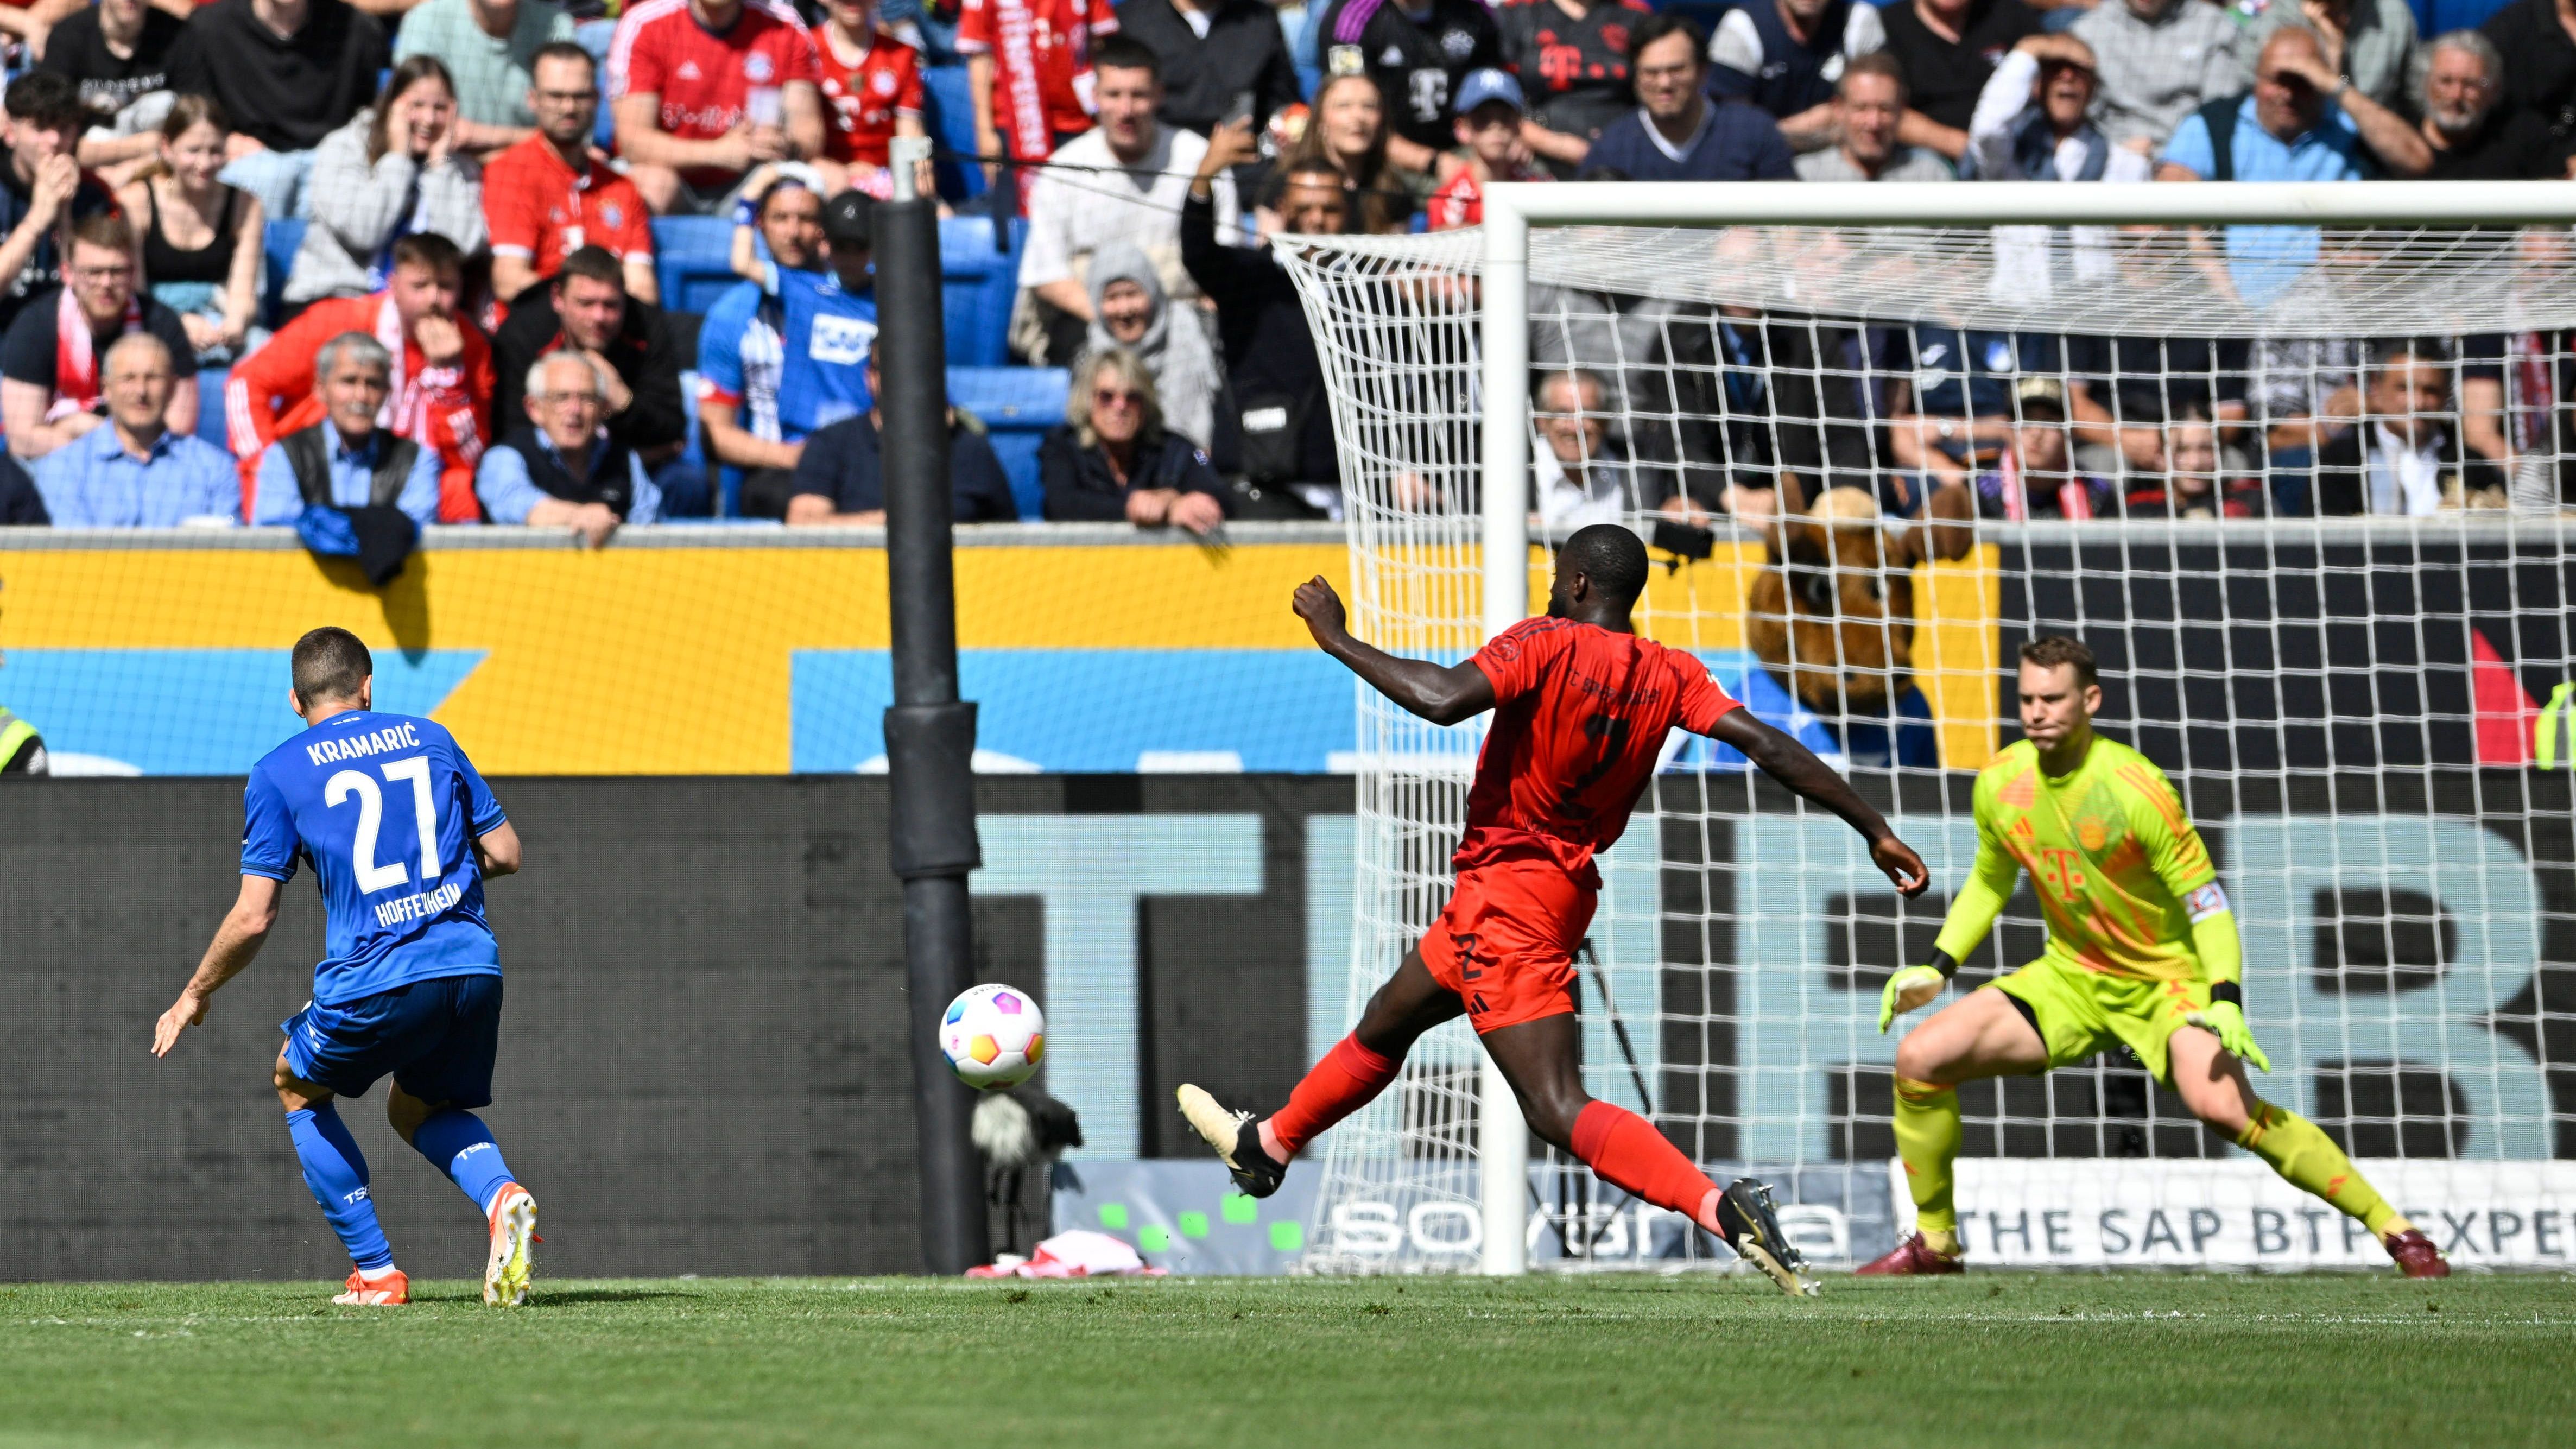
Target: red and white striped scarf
76 355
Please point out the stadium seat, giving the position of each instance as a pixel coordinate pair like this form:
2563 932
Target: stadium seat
210 406
596 36
951 122
692 258
1016 405
978 283
279 244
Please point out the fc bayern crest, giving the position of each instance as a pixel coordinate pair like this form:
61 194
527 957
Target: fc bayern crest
882 83
756 68
611 214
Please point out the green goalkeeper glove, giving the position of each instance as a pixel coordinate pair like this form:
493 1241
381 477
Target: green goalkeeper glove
1906 990
2227 1019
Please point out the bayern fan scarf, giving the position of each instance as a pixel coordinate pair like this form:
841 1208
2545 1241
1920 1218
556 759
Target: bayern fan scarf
77 354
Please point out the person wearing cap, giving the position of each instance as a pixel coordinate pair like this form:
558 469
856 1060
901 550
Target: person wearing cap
1950 400
1490 112
2035 475
822 323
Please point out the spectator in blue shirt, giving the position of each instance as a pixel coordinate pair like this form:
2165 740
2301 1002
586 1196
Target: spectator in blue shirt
2302 122
353 372
561 469
135 472
795 343
1677 133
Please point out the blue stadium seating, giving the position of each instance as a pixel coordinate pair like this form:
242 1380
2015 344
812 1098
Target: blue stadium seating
1016 405
951 122
596 36
978 283
692 257
278 245
210 406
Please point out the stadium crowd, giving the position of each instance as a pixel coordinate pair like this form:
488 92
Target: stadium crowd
480 184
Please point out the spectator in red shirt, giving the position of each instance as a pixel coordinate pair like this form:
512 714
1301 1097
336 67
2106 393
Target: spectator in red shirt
442 392
1028 65
1490 112
547 197
871 94
705 90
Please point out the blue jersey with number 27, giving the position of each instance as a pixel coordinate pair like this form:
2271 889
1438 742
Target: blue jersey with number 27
386 807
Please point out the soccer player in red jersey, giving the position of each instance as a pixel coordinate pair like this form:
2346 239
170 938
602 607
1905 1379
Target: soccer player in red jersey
871 94
1581 707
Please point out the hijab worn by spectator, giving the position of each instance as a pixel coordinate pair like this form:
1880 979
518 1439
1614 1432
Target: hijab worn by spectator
1174 350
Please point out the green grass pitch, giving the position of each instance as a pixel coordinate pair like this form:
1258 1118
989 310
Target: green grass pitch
1997 1359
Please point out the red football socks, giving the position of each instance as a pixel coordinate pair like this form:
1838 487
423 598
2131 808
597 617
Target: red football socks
1342 1083
1625 1150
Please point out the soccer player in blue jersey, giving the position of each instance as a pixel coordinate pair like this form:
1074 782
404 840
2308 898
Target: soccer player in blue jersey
401 833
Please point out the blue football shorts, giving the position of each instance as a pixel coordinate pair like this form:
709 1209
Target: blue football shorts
437 1037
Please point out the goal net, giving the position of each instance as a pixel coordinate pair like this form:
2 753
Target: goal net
2299 486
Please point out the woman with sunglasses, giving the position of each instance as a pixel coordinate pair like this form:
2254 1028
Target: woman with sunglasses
1112 459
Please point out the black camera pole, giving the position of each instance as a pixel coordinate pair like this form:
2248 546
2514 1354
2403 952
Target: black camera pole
929 733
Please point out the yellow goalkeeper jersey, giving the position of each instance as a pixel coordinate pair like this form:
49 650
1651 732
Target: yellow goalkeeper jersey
2119 871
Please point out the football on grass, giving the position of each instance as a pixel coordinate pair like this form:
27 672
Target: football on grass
994 1036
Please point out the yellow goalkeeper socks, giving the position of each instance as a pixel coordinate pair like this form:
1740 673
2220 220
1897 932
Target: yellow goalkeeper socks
2306 1157
1927 1139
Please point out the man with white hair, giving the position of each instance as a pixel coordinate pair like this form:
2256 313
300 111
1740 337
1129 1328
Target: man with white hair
2455 108
561 469
345 460
1582 477
135 472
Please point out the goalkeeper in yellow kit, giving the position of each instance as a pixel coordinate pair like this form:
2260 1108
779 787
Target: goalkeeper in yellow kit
2142 952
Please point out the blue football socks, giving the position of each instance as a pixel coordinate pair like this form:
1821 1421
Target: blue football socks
458 1144
337 1173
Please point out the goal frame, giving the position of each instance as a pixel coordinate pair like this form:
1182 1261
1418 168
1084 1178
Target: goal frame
1512 209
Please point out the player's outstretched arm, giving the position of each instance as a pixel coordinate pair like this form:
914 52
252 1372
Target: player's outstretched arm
1441 695
1794 765
236 941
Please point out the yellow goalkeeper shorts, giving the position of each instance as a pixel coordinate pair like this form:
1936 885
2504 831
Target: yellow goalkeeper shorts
2080 1012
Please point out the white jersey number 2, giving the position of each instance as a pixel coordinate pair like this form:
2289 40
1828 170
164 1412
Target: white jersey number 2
371 818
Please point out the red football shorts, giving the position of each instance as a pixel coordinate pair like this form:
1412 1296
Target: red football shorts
1506 941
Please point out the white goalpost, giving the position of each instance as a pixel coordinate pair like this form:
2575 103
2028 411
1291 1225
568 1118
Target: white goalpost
1878 436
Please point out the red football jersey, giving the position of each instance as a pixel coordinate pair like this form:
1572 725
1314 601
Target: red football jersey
536 207
1460 201
1580 715
1041 53
861 98
704 80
